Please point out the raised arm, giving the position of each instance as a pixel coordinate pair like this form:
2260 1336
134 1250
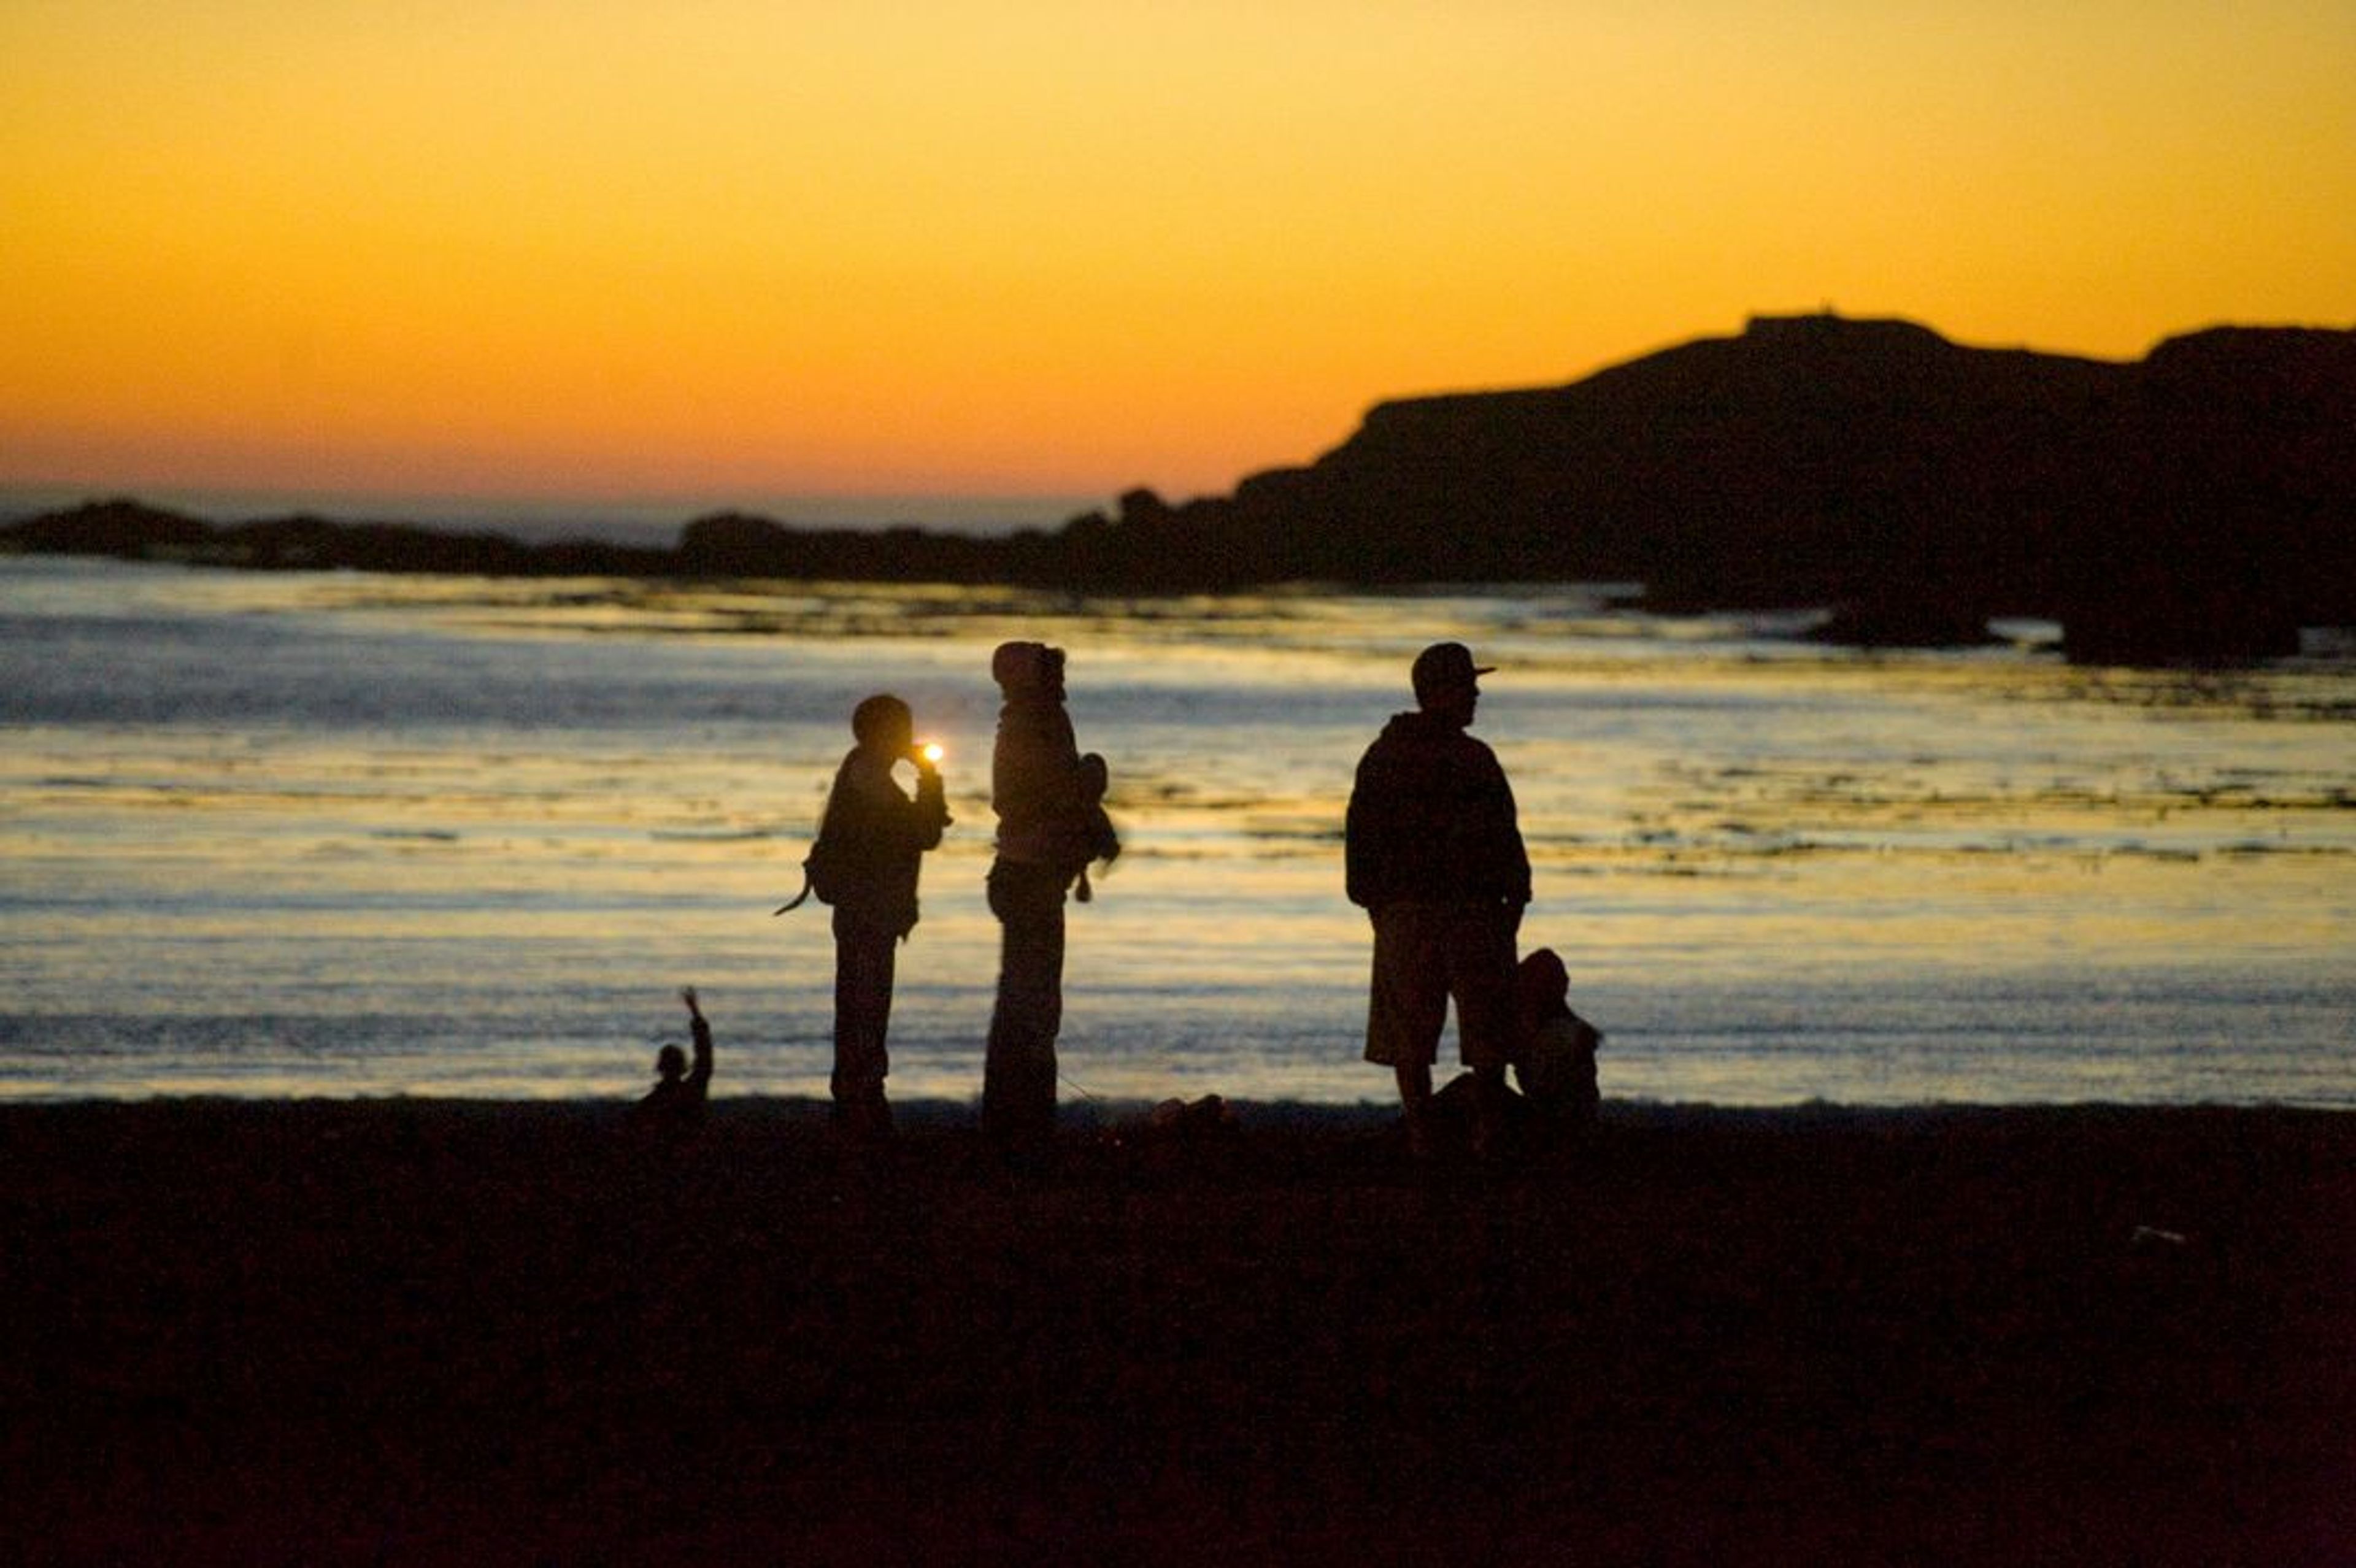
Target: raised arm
699 1076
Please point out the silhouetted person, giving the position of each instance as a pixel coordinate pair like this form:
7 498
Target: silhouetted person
1051 823
877 834
1554 1052
1433 853
676 1102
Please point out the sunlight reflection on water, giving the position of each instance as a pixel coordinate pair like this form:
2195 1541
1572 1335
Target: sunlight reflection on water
335 834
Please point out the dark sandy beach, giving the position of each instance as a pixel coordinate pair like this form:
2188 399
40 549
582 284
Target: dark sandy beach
426 1332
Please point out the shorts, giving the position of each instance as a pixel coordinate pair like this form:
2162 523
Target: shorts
1426 954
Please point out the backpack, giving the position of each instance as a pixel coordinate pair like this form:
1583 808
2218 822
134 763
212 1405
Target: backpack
827 870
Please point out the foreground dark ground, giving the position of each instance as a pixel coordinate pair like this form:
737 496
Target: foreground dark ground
418 1332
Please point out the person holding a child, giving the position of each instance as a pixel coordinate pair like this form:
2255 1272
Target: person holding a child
1051 823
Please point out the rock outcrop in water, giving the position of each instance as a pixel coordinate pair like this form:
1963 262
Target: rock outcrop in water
2198 503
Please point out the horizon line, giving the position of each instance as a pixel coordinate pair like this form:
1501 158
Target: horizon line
633 518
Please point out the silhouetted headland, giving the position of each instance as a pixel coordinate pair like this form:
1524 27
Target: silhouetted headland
2198 503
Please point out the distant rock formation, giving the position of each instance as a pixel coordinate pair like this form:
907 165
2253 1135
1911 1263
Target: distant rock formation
118 528
135 531
2199 503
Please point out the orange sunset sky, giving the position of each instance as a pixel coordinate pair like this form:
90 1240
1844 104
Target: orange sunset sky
717 249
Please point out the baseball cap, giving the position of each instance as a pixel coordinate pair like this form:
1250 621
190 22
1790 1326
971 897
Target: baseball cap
1446 666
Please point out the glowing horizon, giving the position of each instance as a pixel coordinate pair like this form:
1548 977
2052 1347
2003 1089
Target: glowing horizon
1049 247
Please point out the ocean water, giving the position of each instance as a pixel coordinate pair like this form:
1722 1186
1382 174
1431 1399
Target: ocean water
343 835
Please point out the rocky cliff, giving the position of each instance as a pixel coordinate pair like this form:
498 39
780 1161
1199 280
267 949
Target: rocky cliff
2199 502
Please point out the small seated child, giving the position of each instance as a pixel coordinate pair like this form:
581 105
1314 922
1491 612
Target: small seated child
1554 1060
677 1098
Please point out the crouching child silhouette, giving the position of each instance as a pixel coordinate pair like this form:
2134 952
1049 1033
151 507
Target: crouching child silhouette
674 1106
1554 1052
871 845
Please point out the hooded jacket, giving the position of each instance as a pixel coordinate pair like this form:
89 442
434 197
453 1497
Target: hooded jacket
1432 820
883 835
1048 797
1045 795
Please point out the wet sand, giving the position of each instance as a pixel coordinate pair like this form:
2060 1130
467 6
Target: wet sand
428 1332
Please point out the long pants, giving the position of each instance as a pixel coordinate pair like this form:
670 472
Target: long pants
1018 1074
865 957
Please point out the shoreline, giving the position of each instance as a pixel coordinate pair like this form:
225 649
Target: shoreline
936 1114
426 1331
